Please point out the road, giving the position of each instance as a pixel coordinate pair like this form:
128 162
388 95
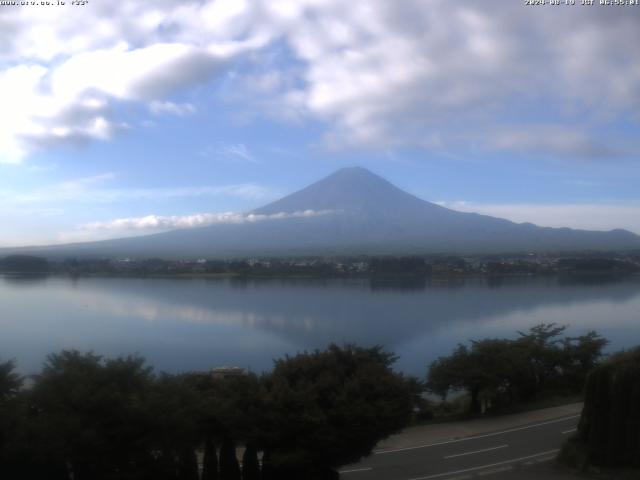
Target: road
482 455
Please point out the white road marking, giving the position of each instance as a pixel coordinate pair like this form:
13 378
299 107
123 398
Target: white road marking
496 470
517 429
569 431
365 469
482 467
477 451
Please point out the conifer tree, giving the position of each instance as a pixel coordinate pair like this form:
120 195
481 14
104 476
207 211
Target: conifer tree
250 464
188 465
229 467
210 460
609 428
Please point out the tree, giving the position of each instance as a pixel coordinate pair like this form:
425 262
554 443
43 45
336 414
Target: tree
174 407
238 407
91 413
230 410
188 469
210 460
250 464
398 266
329 408
499 372
10 381
495 366
486 371
544 356
609 428
24 264
582 355
229 466
447 374
11 419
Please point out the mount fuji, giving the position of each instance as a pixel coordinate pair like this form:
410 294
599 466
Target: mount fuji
352 211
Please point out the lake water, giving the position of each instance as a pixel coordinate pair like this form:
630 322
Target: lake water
182 324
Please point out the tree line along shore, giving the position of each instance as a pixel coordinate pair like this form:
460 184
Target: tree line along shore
577 264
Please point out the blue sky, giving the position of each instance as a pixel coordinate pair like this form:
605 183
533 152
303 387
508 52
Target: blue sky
166 114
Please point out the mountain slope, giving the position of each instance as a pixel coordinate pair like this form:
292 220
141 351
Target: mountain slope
352 211
353 189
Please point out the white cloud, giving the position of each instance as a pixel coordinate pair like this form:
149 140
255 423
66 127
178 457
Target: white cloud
70 103
233 152
47 34
588 216
60 78
382 75
161 223
379 74
180 109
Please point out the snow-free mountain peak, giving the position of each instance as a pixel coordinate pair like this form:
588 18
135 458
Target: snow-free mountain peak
352 189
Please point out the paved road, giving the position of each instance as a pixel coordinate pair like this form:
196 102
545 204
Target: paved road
484 455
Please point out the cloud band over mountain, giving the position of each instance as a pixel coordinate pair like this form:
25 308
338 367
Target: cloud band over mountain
159 222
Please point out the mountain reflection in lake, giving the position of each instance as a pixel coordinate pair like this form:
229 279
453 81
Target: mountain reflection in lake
181 324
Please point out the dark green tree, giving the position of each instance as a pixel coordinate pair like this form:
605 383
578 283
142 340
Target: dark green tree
330 408
500 372
609 428
250 464
398 266
175 408
91 413
229 466
210 460
188 469
230 409
24 264
446 373
239 407
486 370
581 355
541 346
12 421
10 381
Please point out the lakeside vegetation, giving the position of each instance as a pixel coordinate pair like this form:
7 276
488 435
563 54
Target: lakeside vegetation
497 374
85 417
436 266
92 418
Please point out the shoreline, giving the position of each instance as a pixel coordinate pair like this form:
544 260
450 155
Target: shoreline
363 276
